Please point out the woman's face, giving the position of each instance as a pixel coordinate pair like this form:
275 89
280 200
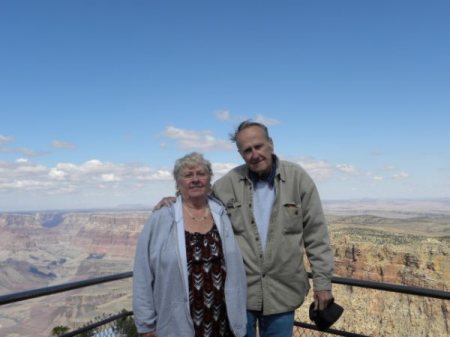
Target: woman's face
194 182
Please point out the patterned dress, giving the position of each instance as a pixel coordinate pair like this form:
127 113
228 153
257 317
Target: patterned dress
206 269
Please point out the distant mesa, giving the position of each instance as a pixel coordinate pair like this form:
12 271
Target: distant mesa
132 207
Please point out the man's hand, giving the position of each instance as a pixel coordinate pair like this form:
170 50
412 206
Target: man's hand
165 202
322 299
148 334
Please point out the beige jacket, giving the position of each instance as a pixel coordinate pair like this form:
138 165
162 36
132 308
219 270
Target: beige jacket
276 279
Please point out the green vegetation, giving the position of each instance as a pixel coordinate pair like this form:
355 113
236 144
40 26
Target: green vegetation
125 326
122 327
59 330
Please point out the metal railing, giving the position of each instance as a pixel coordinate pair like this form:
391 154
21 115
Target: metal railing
46 291
29 294
102 323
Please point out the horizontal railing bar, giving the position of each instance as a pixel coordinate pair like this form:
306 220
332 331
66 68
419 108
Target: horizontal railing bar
328 331
29 294
440 294
97 324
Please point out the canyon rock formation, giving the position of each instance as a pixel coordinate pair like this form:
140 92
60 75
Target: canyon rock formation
405 245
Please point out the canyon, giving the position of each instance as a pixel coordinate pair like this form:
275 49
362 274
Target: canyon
400 242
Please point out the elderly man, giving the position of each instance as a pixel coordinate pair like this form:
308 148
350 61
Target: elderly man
277 216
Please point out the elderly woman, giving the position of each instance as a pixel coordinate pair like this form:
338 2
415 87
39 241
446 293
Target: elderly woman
189 278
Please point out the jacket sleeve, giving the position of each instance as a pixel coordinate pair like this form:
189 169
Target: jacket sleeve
316 239
236 282
144 310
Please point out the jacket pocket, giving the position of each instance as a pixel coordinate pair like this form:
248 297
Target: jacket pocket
234 211
292 218
176 311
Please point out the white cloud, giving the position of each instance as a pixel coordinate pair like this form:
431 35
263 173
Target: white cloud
152 175
394 173
62 145
196 140
220 169
30 153
347 168
23 175
57 174
5 139
32 169
223 115
266 121
322 170
318 169
400 175
110 177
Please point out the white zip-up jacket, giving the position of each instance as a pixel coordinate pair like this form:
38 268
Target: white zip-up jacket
160 276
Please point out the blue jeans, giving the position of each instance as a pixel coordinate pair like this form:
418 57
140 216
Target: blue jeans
278 325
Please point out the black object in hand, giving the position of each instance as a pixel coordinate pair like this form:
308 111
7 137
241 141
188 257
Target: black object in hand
326 317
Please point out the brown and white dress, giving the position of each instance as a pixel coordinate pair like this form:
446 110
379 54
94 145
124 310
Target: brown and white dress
206 274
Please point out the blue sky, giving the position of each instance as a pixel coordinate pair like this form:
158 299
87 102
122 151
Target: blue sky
98 98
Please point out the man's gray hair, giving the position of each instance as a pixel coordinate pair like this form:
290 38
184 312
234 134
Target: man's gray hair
246 124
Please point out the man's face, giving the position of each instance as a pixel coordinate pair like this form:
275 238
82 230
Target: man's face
255 149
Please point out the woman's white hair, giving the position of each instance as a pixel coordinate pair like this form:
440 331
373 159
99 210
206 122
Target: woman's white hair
191 159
